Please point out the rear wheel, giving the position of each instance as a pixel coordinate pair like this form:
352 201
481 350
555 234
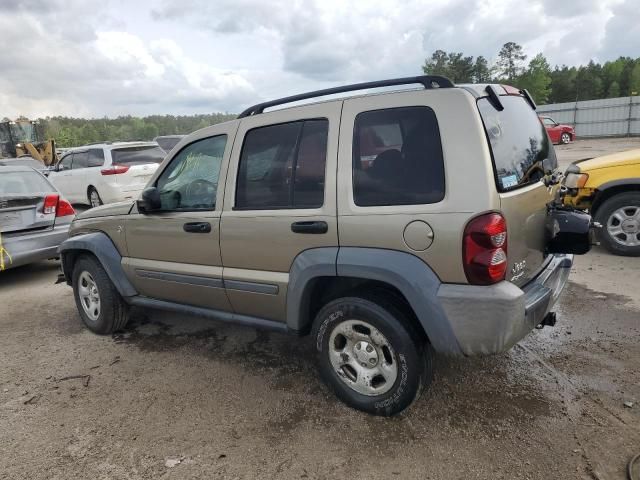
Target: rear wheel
94 197
370 355
101 307
620 219
565 138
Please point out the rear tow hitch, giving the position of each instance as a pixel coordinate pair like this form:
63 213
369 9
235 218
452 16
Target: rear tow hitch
548 321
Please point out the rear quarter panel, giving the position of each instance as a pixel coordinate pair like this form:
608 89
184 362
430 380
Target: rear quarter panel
469 182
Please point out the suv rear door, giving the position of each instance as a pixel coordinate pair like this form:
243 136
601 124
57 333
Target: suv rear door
522 155
280 200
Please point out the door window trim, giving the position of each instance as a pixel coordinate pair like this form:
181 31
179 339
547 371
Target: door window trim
296 148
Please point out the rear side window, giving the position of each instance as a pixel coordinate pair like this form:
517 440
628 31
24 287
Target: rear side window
283 166
521 150
23 183
397 157
137 155
96 157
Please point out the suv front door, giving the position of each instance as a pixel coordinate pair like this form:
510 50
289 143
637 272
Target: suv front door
280 200
174 253
78 179
61 176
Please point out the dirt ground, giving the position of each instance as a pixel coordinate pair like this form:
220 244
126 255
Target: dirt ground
219 401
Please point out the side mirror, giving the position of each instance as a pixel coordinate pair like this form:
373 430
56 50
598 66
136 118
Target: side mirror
149 200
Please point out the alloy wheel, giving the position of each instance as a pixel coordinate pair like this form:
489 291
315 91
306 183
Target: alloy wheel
89 295
623 226
362 357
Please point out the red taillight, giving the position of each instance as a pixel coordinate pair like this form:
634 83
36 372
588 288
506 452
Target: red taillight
64 208
114 169
53 204
484 249
50 204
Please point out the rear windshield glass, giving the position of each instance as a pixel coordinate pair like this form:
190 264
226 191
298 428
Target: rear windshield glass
522 152
23 183
137 155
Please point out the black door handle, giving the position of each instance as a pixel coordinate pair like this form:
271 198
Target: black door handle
313 226
197 227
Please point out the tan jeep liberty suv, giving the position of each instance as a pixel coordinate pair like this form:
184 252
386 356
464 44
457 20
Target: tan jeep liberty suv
387 225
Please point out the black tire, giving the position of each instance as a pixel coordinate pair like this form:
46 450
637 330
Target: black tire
413 354
604 213
90 191
565 138
114 312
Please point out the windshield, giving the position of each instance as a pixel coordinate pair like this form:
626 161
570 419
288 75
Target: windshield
23 183
22 132
137 155
522 152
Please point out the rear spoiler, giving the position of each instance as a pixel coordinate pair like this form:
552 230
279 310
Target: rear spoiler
494 97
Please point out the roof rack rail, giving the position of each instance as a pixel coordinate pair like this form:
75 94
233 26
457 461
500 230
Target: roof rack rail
428 81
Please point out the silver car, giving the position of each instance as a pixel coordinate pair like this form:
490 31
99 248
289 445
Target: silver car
34 218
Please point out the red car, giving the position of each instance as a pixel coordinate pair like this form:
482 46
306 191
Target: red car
558 132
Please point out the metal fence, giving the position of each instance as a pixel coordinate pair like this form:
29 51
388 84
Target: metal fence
598 118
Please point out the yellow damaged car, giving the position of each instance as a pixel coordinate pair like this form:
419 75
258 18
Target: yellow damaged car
609 187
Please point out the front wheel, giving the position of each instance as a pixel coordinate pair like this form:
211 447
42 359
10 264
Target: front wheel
370 355
620 219
100 306
565 138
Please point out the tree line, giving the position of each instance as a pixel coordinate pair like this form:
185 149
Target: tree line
616 78
73 132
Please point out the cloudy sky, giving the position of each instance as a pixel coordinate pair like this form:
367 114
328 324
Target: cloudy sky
117 57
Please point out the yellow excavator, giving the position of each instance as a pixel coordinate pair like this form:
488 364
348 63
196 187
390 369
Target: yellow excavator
25 138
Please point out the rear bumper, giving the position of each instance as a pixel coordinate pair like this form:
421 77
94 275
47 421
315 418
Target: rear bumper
492 319
32 247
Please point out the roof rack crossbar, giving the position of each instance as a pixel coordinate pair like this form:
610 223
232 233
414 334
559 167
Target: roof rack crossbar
428 81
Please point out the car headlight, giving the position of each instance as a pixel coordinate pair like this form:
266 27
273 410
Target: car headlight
575 180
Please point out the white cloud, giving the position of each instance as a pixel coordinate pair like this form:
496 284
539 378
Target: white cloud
194 56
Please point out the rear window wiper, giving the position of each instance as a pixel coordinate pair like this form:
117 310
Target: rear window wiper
494 98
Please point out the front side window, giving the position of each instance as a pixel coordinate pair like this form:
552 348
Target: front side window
190 182
548 121
283 166
96 157
80 160
65 163
397 157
